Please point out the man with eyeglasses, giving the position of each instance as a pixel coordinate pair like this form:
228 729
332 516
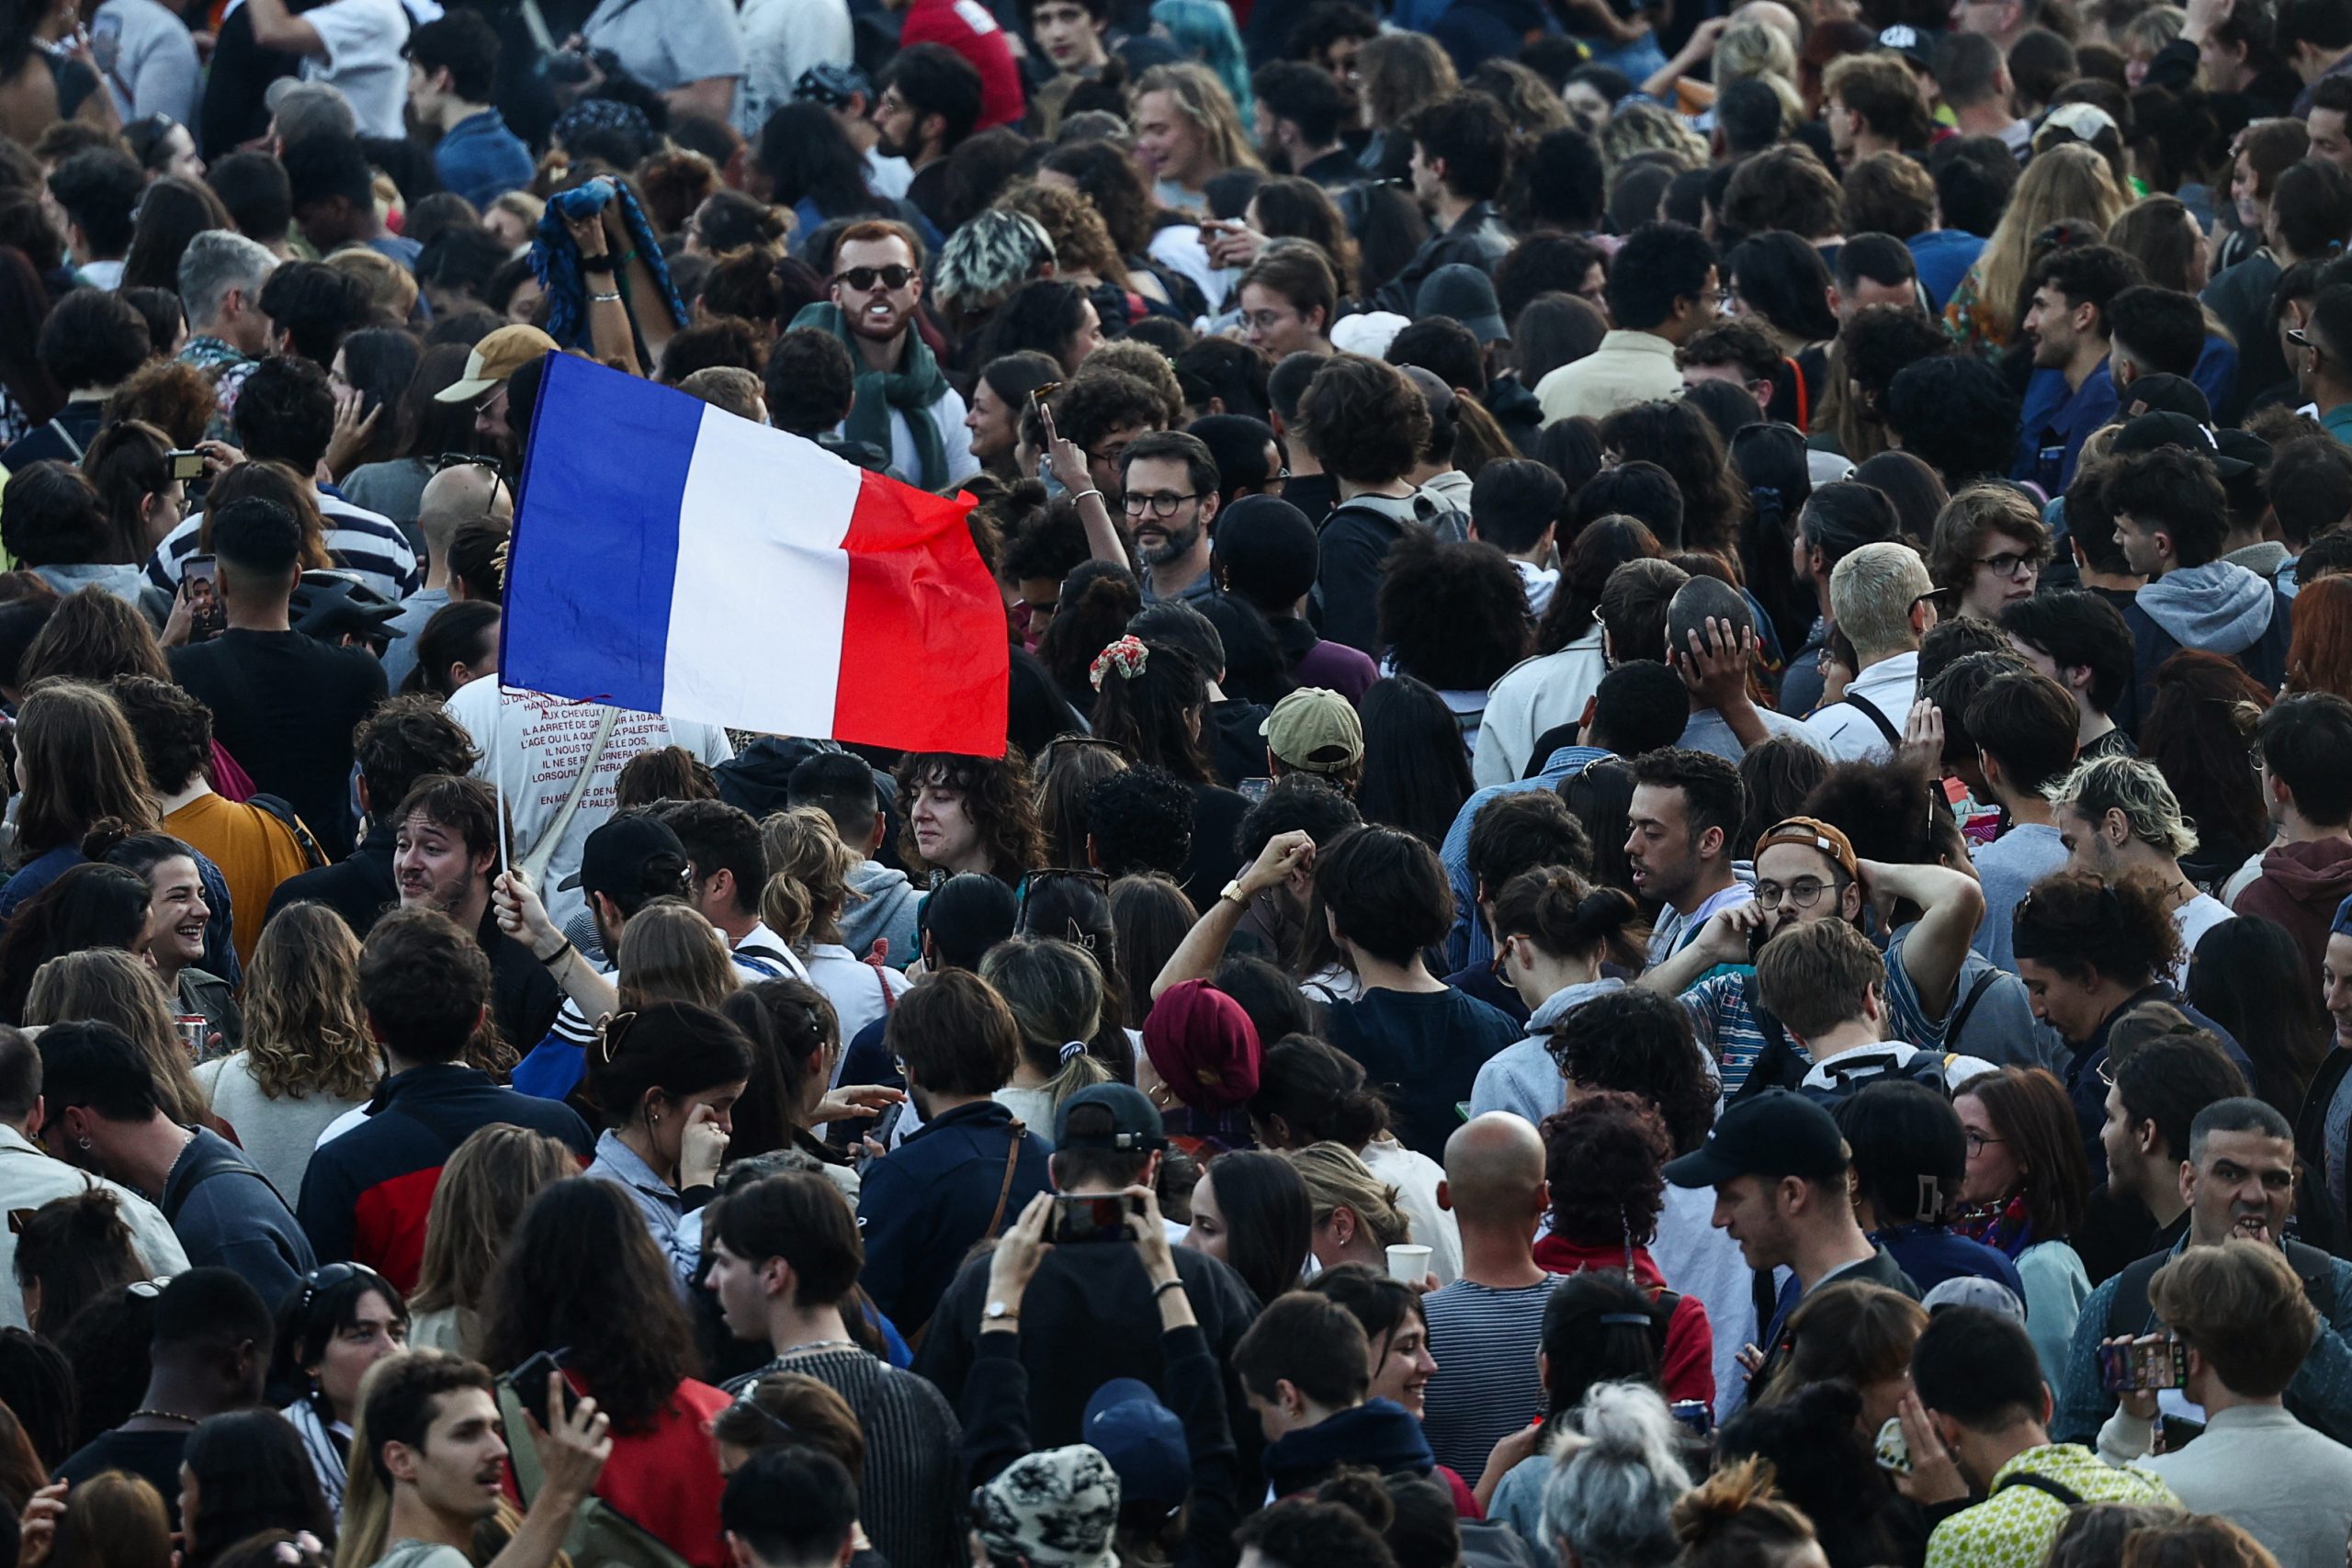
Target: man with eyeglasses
1170 498
1807 871
903 404
469 491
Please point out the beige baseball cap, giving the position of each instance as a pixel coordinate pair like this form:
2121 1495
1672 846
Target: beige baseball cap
494 359
1315 730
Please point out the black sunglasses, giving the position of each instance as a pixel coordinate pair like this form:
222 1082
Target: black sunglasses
891 276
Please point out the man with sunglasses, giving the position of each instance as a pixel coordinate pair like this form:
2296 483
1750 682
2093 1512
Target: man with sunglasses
1807 871
903 404
465 491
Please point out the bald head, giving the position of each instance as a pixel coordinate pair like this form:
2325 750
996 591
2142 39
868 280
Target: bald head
460 495
1494 1169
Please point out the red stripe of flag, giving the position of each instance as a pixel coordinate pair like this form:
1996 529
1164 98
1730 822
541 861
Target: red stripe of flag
923 660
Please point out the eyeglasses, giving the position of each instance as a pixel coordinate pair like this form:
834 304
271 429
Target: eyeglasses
1804 892
862 277
1267 321
1977 1141
2007 564
1160 504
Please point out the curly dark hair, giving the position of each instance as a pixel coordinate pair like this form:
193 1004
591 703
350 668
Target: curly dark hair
1363 420
1676 436
407 738
2077 923
630 1339
1882 807
1640 1042
1878 341
1092 406
1605 1158
1453 613
995 791
1140 820
1106 176
172 729
1787 190
1956 414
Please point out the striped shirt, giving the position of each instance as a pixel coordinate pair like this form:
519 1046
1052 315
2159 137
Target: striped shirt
913 1496
366 544
1485 1386
1723 1014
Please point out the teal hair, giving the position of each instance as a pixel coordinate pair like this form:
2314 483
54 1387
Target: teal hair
1204 29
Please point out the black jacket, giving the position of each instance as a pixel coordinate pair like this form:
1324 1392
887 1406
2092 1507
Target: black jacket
359 886
1087 1317
995 1413
1356 540
926 1205
1478 238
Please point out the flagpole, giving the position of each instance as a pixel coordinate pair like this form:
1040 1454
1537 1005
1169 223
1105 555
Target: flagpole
498 767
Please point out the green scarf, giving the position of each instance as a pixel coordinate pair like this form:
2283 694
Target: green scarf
911 389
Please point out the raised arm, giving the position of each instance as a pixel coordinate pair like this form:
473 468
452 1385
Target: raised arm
1196 958
1951 905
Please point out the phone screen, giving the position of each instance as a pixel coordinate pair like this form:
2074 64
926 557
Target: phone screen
1091 1218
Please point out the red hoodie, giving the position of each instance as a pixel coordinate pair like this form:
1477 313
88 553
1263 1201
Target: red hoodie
1688 1371
2300 887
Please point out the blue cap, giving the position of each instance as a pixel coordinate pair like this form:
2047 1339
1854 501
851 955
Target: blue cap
1142 1438
2343 926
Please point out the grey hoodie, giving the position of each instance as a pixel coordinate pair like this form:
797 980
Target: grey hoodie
2218 607
881 907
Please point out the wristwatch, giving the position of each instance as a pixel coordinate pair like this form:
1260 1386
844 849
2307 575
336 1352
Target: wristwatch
1233 890
1000 1311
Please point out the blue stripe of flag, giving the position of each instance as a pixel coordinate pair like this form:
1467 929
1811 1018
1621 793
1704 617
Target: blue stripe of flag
596 550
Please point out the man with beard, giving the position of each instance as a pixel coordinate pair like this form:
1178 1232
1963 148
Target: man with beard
1170 492
445 851
2071 393
2239 1180
903 404
930 99
1807 871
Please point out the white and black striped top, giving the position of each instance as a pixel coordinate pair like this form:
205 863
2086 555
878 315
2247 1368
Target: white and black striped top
365 543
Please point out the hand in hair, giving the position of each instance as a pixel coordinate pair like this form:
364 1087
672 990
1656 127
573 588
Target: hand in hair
1935 1476
1923 739
36 1531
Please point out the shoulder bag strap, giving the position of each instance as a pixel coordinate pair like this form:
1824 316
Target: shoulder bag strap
535 863
1870 710
1004 1188
521 1452
2059 1490
1959 1019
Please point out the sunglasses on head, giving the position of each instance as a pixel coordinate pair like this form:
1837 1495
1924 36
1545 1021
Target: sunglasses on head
891 276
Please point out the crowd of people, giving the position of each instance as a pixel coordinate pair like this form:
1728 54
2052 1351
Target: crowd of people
1671 882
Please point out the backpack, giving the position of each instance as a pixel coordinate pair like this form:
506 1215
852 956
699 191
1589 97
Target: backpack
601 1536
1778 1066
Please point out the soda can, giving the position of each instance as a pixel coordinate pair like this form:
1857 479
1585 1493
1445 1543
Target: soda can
194 1029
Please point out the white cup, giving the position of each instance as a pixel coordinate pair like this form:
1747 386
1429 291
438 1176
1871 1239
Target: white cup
1409 1262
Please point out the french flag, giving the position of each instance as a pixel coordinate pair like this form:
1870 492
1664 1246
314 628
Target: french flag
671 557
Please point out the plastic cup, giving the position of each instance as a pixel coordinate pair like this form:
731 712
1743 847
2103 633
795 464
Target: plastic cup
1409 1262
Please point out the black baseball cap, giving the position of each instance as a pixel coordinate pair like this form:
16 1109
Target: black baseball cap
1109 1116
2147 432
2166 393
1775 1134
615 855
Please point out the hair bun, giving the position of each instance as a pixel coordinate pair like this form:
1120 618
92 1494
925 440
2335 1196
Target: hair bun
1605 910
105 835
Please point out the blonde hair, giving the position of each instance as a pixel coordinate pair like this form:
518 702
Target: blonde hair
1336 1178
1646 128
489 1181
671 953
2072 181
2153 29
106 984
808 872
1752 47
391 288
1871 592
1055 991
2137 788
303 1028
1201 99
